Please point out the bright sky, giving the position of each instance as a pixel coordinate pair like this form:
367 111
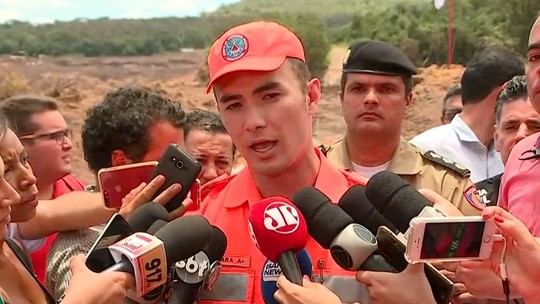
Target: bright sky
42 11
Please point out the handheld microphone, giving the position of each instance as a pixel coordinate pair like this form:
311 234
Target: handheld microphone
156 226
271 272
149 258
200 271
279 231
144 216
398 202
351 245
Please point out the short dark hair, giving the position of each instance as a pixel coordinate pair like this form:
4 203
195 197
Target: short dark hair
301 70
407 81
19 109
488 70
453 91
513 90
205 120
122 121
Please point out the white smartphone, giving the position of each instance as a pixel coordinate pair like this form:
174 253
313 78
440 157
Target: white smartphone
448 239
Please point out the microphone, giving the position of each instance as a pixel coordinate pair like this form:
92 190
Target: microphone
279 231
351 245
144 216
200 271
149 258
156 226
271 272
398 202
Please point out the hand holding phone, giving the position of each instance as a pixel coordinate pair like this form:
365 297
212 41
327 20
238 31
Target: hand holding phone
449 239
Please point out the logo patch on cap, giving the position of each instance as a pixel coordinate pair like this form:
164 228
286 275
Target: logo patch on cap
476 197
235 47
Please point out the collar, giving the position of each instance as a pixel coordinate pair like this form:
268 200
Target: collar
342 152
406 159
463 131
242 188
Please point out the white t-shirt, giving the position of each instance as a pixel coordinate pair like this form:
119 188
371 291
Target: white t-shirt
368 172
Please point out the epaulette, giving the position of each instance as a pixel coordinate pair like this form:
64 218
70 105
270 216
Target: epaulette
447 163
324 149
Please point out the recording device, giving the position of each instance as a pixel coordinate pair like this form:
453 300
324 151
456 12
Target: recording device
148 258
177 166
351 245
279 231
200 271
116 182
271 272
397 201
393 251
450 239
99 257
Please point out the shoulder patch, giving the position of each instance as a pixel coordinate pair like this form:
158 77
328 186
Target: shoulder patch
443 161
476 197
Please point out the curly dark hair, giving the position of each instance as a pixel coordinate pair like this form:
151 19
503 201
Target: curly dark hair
122 121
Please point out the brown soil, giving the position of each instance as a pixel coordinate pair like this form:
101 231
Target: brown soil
80 82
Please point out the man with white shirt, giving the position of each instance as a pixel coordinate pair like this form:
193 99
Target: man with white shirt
376 89
468 139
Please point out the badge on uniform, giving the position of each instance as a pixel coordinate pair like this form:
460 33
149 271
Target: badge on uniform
476 197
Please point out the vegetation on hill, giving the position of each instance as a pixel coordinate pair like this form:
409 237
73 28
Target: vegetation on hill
413 25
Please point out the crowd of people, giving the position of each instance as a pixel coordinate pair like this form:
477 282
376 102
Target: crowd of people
482 160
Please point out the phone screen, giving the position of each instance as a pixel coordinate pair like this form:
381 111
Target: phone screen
452 240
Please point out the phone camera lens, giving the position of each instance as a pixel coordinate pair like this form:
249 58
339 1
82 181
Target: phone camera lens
179 164
173 159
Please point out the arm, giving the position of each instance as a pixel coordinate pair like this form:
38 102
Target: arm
72 211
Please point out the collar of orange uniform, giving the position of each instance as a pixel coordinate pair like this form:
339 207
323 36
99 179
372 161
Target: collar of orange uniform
242 189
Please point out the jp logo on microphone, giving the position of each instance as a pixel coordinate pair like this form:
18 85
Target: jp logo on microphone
281 218
193 270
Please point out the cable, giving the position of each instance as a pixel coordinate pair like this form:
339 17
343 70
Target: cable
504 274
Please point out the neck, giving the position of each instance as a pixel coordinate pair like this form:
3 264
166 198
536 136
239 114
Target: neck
474 116
302 174
45 190
370 150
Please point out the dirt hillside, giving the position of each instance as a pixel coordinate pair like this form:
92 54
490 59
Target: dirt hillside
80 82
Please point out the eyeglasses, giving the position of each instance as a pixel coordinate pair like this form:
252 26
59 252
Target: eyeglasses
449 114
58 136
533 153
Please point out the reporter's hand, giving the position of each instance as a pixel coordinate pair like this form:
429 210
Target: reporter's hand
309 293
407 287
86 286
144 192
522 254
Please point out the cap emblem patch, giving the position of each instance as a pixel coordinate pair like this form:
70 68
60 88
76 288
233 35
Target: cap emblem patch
235 47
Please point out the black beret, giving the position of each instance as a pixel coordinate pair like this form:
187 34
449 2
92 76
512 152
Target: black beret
377 57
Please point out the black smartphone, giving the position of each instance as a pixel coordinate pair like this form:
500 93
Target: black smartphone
177 166
99 258
393 251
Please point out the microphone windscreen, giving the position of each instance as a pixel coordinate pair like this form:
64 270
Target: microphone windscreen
156 226
277 226
215 249
143 217
356 204
271 272
184 237
324 219
395 199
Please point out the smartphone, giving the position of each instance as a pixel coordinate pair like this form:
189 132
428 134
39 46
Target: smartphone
99 258
177 166
393 251
195 195
116 182
448 239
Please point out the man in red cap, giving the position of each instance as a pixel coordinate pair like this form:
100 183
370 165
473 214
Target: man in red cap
267 99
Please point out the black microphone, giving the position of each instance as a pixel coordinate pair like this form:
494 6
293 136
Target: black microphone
398 202
199 272
156 226
351 245
360 209
144 216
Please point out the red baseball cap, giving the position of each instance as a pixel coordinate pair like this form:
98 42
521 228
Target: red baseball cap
256 46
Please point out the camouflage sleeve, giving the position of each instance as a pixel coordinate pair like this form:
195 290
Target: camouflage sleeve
66 246
465 197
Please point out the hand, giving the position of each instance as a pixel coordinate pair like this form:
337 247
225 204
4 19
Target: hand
309 293
522 254
440 203
388 288
86 286
144 193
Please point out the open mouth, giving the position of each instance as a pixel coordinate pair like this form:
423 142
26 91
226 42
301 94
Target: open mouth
263 147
